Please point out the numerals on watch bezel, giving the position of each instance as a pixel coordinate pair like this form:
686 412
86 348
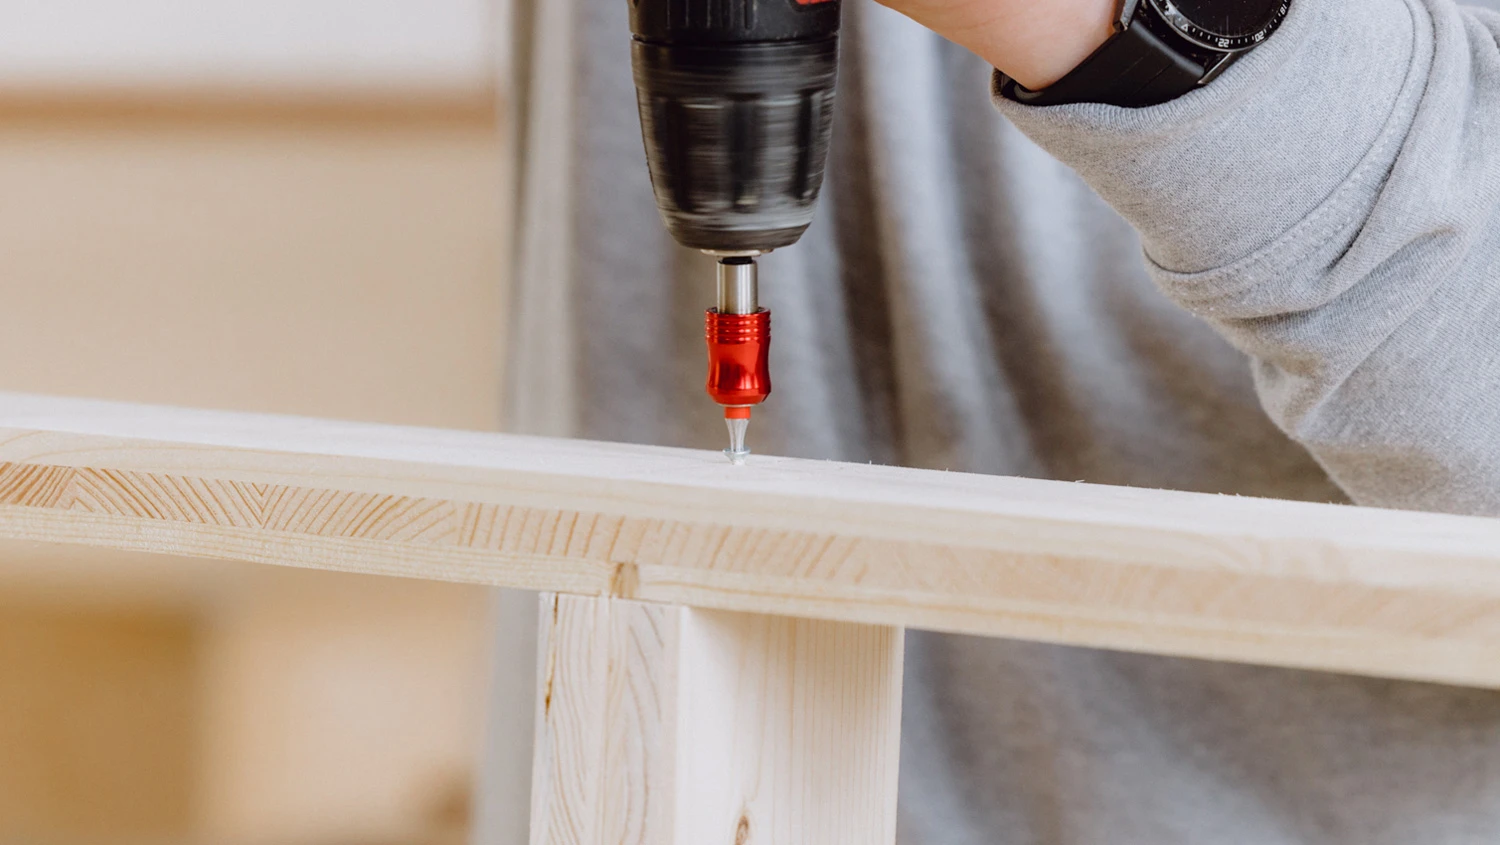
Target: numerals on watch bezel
1190 30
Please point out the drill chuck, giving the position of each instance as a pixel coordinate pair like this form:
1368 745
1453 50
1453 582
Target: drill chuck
736 106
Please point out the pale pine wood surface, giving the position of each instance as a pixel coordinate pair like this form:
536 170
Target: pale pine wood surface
789 730
661 725
1318 586
603 766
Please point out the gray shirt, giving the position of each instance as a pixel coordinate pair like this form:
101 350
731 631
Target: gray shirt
1315 314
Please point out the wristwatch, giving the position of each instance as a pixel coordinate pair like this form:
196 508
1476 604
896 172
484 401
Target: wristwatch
1161 50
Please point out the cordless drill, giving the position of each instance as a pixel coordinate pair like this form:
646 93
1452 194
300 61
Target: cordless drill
736 103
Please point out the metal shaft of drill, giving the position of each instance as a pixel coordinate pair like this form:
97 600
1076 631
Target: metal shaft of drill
738 286
738 294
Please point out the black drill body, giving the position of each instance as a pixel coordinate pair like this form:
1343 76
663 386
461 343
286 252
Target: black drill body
736 102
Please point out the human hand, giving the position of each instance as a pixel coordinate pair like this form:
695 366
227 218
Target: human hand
1035 42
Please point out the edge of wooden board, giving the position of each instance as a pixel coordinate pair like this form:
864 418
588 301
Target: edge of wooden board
1330 587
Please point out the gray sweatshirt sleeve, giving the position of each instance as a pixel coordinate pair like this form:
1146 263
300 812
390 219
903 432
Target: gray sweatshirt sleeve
1330 205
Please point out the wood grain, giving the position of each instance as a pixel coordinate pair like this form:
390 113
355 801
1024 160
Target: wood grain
606 698
1328 587
788 730
663 725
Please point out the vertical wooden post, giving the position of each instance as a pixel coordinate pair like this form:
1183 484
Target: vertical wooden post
660 725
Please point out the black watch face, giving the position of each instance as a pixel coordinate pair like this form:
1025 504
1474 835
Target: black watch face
1224 24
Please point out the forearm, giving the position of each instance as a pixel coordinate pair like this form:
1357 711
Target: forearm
1036 42
1329 205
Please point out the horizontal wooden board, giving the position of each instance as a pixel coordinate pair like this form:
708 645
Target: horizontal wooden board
1318 586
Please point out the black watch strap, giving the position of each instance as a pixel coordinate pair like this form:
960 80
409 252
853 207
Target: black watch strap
1134 68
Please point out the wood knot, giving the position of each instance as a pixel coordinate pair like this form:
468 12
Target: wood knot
551 659
626 581
742 830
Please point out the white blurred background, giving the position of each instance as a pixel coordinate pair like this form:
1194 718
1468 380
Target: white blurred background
438 45
293 206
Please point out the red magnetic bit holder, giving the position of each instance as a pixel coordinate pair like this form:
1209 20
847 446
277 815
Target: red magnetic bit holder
739 349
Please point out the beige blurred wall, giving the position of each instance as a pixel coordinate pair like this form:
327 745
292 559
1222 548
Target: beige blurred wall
314 256
432 45
342 710
93 703
338 264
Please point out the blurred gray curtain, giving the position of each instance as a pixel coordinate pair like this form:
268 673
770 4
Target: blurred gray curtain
537 84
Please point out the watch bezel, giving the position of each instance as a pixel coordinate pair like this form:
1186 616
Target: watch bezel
1217 41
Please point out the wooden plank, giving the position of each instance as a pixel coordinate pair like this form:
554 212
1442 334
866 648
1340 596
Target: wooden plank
1319 586
606 698
662 725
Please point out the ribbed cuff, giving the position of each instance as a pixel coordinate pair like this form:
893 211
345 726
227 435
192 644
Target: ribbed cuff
1274 158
